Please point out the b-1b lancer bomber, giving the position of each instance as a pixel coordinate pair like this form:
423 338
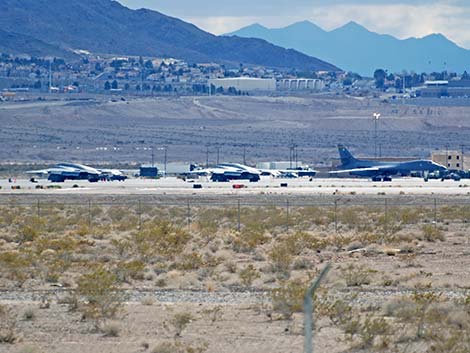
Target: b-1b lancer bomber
72 171
379 170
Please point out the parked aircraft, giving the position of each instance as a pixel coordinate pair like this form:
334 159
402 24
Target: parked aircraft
379 171
229 171
72 171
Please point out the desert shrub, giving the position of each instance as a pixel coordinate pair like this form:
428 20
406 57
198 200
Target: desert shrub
280 258
18 266
369 329
431 233
191 261
214 314
249 239
288 298
29 314
31 228
111 329
248 275
299 241
160 239
8 324
180 321
356 276
125 271
100 293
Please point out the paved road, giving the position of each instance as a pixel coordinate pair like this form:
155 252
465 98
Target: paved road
271 186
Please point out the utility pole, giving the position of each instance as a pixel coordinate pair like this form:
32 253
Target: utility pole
207 156
447 156
376 119
244 155
50 75
463 158
153 156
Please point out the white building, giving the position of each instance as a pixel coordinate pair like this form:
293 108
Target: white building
245 84
300 84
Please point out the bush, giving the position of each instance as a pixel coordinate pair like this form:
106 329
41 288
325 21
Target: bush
432 234
160 239
288 298
248 275
281 259
7 325
180 321
111 329
102 299
356 276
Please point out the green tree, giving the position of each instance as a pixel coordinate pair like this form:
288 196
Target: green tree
379 76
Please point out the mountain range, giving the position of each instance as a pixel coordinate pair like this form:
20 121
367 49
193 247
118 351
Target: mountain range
56 27
354 48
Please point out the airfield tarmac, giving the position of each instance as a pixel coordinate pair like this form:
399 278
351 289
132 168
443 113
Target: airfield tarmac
266 186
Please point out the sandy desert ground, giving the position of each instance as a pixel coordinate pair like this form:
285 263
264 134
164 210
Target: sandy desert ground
265 126
219 277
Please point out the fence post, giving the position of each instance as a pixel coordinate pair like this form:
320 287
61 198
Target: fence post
39 208
336 216
386 218
140 214
435 213
287 215
308 310
89 213
238 217
189 216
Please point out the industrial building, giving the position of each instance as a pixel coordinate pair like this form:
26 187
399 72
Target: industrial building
245 84
300 84
454 160
443 88
281 165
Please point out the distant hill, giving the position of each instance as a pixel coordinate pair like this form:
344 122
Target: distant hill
105 26
14 43
354 48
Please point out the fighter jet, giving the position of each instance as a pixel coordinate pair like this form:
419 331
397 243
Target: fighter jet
379 171
72 171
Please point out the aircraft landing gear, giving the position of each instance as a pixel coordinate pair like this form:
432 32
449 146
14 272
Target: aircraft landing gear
376 179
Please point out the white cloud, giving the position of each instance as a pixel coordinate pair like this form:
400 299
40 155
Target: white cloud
402 21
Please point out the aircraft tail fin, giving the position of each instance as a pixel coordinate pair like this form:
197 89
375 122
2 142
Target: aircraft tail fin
345 155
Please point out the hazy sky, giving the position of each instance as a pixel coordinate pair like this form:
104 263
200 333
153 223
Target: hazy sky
401 18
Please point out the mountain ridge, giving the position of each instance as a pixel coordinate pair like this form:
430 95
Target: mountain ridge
355 48
107 27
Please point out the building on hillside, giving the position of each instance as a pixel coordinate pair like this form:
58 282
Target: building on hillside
245 84
454 160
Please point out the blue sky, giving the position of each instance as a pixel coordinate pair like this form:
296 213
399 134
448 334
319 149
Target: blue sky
403 19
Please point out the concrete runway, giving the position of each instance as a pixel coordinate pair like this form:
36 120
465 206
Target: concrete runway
300 187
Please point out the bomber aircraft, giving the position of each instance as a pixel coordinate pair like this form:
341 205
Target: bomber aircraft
378 170
72 171
229 171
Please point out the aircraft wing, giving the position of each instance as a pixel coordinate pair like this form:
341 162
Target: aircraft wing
368 169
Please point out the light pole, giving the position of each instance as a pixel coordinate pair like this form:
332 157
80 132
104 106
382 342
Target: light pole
462 148
244 155
376 119
164 149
